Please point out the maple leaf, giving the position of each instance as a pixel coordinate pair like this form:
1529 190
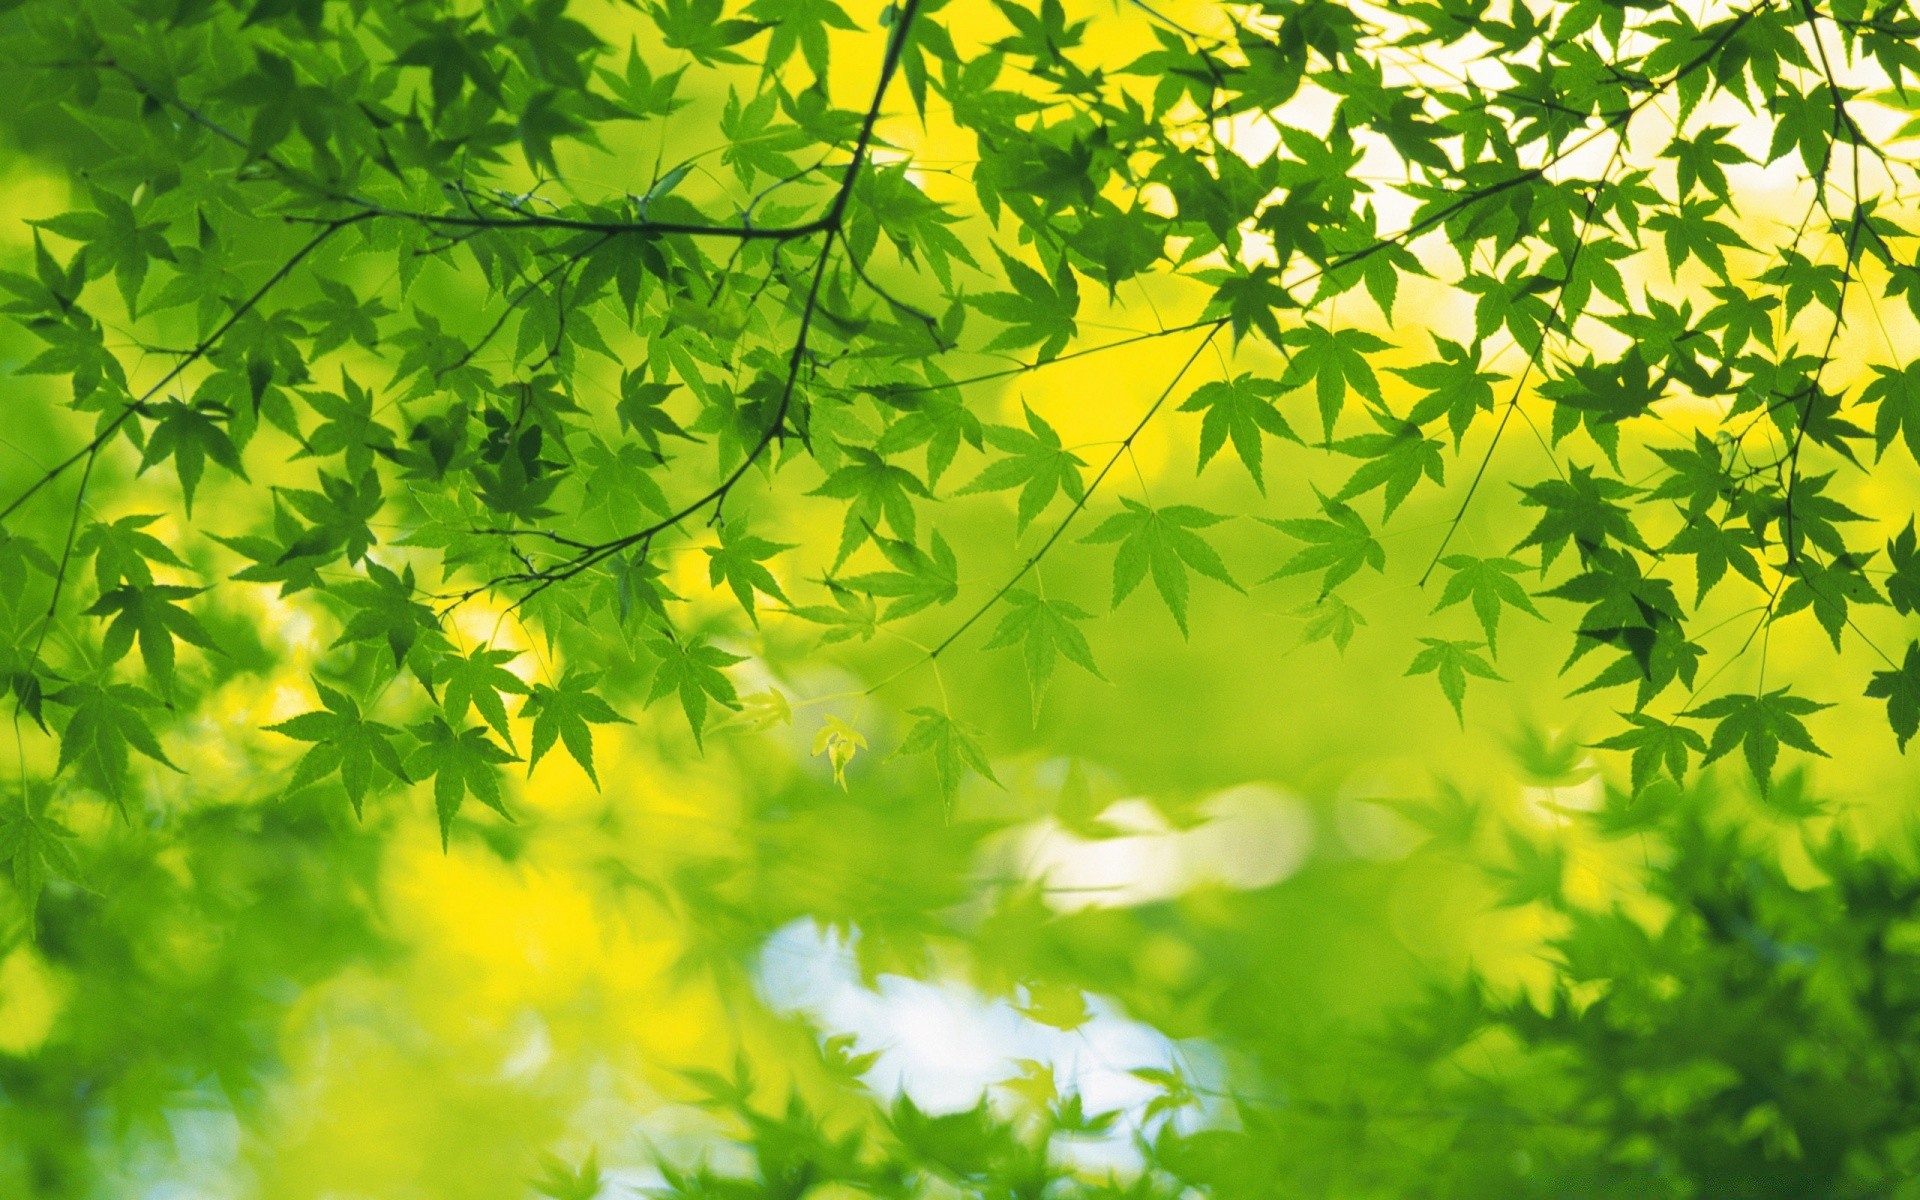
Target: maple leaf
106 721
1397 458
150 615
1896 393
919 581
1241 408
558 1181
479 679
1456 387
1161 541
122 549
1452 661
1044 629
1900 688
567 713
694 671
1536 872
384 608
736 560
1715 548
1038 311
1759 724
190 435
620 481
459 761
953 746
1333 360
1329 618
344 741
851 615
839 741
1583 508
1903 585
1340 544
1829 589
1488 584
1656 744
36 848
1060 1005
1036 463
875 489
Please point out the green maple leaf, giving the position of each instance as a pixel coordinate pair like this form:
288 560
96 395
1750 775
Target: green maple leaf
919 581
1329 618
344 741
1059 1005
1241 408
558 1181
1903 585
940 420
340 316
802 25
638 91
122 549
115 239
1690 232
1715 548
696 672
1700 158
384 609
36 848
1339 544
479 679
1759 725
1656 744
459 762
620 481
347 427
1489 584
567 713
1583 508
106 721
642 410
1045 630
150 615
876 490
698 27
1452 661
342 513
1036 463
1161 541
1038 311
1829 589
1456 387
543 119
1396 459
190 435
851 615
1537 871
736 561
1896 392
1333 360
954 747
1900 688
1249 300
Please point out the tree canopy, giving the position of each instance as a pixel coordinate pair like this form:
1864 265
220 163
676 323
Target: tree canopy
506 377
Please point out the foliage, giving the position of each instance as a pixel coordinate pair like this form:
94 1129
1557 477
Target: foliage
532 363
298 209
